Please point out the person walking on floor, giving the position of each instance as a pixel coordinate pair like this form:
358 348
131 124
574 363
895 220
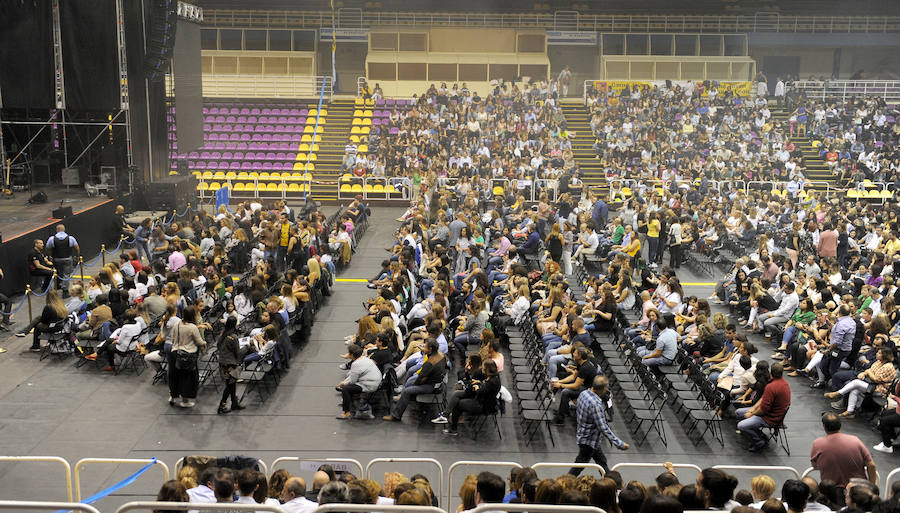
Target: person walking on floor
592 426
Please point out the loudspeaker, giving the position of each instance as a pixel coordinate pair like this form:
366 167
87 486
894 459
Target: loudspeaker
161 44
62 212
173 192
40 197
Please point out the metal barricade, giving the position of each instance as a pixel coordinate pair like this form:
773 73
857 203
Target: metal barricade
810 470
887 482
51 506
430 461
262 465
46 459
769 469
550 464
550 186
618 467
506 464
364 508
116 461
195 506
339 463
534 508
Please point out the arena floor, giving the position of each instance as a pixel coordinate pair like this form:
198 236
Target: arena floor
51 408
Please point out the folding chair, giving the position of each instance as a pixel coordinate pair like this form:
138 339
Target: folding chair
778 434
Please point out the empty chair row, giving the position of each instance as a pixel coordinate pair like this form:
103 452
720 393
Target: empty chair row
215 155
249 166
253 175
243 146
259 120
271 186
258 110
369 188
306 137
227 127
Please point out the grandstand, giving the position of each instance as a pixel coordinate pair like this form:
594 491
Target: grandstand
374 206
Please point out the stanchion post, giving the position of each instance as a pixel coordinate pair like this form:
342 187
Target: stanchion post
28 296
103 254
81 268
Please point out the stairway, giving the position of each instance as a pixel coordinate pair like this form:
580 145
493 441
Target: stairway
579 127
816 170
331 149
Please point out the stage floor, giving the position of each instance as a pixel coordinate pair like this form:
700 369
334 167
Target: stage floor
53 408
17 217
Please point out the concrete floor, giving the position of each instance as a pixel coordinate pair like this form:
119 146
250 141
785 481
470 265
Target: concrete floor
52 408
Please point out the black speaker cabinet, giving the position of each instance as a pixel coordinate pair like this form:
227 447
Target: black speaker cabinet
62 212
172 193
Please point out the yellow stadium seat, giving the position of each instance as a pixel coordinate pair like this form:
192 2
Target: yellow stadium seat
378 188
312 113
271 186
357 113
367 122
301 157
367 114
852 193
264 175
197 174
365 130
357 122
868 183
313 157
357 188
355 130
368 188
498 191
873 194
294 187
202 186
294 177
363 148
254 175
214 186
309 138
230 175
391 189
626 191
346 177
219 175
323 113
354 138
310 167
359 102
207 175
238 187
299 166
345 188
370 102
308 129
243 175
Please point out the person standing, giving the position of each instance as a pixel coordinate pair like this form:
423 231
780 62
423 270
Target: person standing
779 92
64 249
142 236
839 457
184 376
229 355
675 243
6 303
283 230
565 76
592 426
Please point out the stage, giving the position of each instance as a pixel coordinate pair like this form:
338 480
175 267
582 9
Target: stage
91 223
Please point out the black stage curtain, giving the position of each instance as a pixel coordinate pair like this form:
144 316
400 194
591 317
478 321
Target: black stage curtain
90 60
188 87
26 55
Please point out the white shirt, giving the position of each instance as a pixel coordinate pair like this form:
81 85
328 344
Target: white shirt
299 505
202 493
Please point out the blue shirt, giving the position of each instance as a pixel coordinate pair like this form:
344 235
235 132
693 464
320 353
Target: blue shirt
843 332
667 342
600 212
62 237
592 426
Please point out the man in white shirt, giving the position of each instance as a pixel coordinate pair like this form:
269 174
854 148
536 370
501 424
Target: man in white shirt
294 497
775 318
589 244
204 491
246 486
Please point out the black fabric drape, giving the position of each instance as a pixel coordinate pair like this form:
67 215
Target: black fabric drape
26 55
90 61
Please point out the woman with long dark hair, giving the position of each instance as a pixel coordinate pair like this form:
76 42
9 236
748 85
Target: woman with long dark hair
229 354
184 377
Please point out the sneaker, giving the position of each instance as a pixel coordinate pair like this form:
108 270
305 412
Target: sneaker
838 405
188 404
38 350
20 334
451 432
92 357
883 448
440 419
778 356
364 415
109 368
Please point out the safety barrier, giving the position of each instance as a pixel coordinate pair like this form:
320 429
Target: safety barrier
534 508
262 465
42 505
430 461
549 464
375 188
619 466
194 506
889 90
506 464
337 463
887 482
46 459
386 508
810 470
117 461
768 469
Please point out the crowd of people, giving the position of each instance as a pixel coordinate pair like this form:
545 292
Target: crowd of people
233 283
713 489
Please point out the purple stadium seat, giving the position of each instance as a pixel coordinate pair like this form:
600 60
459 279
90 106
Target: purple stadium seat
234 166
267 166
245 111
235 111
394 131
223 146
303 113
245 137
379 102
254 111
246 166
257 166
197 165
389 102
193 155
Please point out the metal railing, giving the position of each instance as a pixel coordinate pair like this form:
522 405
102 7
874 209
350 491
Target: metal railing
337 463
467 463
227 507
116 461
375 188
46 459
428 461
266 86
561 20
845 89
42 505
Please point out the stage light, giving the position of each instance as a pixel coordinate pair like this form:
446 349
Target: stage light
190 12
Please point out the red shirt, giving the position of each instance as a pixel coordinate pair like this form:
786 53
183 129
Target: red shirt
775 401
137 265
839 457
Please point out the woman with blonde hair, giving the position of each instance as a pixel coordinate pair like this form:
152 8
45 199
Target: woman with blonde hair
467 493
761 487
315 272
54 311
391 481
365 327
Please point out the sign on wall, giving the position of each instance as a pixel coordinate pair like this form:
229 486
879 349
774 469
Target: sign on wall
563 37
616 86
345 35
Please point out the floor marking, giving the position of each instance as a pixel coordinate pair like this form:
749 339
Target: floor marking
698 283
351 280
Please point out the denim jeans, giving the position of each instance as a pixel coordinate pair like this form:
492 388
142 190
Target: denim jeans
752 428
408 393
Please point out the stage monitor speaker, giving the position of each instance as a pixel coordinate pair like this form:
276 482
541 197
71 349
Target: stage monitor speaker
38 198
172 193
62 212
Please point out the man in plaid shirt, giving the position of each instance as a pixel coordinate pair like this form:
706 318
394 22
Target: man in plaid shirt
592 426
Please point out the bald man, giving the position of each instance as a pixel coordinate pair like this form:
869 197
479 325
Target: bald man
294 497
320 479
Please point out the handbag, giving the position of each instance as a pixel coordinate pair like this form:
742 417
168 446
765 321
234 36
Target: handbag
185 360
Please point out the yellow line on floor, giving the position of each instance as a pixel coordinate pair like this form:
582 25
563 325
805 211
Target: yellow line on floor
351 280
698 283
